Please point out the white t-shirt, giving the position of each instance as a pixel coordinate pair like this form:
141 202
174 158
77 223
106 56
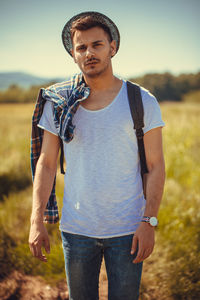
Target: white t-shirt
103 194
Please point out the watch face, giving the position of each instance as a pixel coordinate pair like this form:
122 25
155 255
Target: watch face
153 221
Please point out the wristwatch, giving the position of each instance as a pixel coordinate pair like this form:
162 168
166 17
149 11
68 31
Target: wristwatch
153 221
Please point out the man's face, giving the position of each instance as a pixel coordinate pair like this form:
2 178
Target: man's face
92 51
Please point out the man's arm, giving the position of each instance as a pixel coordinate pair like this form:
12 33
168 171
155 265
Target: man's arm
144 235
42 187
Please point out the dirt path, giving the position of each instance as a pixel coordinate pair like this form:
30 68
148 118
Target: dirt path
18 286
22 287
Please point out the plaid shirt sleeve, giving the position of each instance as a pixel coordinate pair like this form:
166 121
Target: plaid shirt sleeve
51 212
66 97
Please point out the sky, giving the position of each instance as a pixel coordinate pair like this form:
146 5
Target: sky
156 35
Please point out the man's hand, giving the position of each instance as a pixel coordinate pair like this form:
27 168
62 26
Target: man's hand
143 239
38 237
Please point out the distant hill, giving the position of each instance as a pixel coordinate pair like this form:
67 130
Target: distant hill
23 79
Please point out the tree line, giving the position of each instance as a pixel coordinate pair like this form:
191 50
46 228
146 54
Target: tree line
164 86
168 87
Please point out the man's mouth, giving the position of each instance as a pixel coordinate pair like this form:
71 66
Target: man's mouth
91 62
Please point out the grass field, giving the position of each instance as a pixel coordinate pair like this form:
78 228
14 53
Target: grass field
173 270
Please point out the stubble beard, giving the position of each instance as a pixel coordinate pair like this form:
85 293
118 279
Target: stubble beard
98 73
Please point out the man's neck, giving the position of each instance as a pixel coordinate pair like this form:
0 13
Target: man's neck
101 83
103 90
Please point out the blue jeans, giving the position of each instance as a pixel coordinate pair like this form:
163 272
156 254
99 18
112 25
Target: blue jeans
83 257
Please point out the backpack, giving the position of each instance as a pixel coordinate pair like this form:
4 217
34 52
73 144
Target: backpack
137 113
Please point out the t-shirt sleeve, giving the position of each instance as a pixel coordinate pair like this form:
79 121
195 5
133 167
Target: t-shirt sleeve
152 112
47 122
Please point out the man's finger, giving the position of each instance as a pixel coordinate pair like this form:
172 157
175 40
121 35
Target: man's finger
146 254
140 253
40 255
42 258
36 251
139 257
134 244
47 245
32 249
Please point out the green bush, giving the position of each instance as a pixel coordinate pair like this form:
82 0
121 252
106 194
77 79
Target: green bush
13 181
15 254
17 94
7 249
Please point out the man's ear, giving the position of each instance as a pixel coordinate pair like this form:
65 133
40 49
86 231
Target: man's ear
113 48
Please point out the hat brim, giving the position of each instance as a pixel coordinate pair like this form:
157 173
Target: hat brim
66 33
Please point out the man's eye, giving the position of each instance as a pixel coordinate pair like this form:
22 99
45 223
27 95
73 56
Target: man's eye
81 48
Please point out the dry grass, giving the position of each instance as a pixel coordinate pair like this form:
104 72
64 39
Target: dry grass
172 271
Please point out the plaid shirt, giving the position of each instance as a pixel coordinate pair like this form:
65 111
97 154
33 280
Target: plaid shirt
65 97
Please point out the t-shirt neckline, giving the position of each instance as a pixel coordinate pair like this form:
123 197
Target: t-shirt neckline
107 106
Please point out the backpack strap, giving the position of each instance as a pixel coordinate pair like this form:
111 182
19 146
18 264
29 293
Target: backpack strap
137 113
61 157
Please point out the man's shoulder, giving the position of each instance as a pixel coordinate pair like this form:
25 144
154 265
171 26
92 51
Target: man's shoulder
145 93
61 92
67 85
150 102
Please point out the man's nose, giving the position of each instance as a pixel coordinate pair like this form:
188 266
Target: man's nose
89 52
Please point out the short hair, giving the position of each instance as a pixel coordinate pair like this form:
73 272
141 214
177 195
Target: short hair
86 23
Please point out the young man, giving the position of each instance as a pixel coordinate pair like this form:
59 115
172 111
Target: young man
103 205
